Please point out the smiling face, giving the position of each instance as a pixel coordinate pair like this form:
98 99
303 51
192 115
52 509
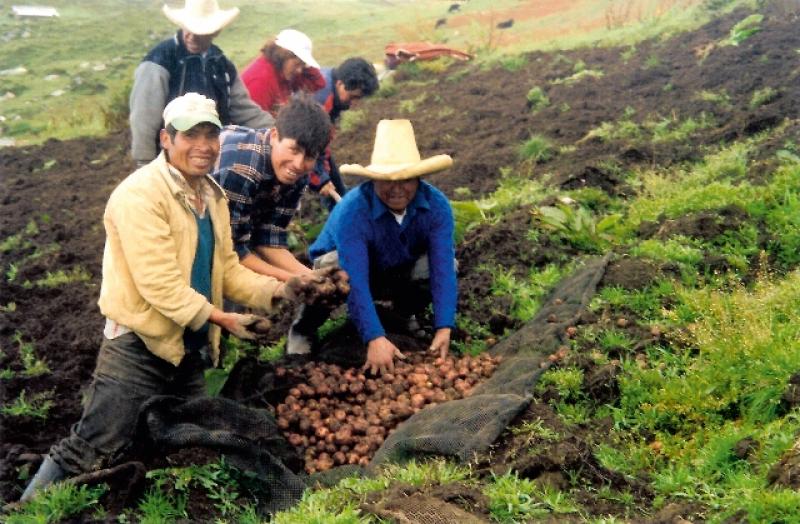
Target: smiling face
396 194
289 161
192 152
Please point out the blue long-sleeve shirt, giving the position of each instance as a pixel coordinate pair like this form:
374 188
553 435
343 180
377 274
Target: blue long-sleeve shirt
368 239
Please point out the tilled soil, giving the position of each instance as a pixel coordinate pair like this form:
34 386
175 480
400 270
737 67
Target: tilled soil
477 115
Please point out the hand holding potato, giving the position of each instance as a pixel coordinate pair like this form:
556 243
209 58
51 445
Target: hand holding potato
244 326
323 287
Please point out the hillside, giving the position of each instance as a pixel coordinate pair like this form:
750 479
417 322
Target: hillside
673 395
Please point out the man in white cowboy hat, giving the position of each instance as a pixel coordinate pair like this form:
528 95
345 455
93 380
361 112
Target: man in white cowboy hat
394 236
188 62
168 263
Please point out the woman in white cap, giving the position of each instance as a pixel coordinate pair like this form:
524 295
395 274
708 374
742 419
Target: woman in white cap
188 62
285 66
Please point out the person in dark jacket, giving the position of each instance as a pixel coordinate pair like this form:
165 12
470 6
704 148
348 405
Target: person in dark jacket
354 79
188 62
394 236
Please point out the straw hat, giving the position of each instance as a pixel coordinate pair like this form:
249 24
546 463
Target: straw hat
395 155
201 17
299 44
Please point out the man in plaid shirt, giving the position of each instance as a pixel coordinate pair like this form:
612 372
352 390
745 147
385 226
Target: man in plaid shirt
264 173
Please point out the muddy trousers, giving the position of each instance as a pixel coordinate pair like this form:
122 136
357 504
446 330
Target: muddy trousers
126 375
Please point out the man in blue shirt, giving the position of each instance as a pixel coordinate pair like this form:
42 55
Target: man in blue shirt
394 236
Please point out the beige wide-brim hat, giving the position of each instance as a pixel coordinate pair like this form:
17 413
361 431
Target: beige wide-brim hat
201 17
395 155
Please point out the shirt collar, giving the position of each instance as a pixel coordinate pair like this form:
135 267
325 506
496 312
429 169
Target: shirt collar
205 189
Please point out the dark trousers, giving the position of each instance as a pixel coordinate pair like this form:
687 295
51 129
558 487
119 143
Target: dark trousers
126 375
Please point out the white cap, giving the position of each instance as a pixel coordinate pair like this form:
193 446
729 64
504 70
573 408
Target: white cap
185 112
298 43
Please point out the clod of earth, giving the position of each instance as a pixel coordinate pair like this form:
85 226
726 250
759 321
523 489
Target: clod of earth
261 327
341 416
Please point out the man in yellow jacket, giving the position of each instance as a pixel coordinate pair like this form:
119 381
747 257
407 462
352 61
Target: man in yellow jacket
168 263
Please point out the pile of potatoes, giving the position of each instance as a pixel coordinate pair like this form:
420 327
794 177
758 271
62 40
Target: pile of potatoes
342 416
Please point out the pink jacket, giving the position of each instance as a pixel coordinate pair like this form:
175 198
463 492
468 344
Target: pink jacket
270 90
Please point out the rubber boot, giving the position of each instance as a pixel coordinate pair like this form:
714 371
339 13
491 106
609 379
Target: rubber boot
47 473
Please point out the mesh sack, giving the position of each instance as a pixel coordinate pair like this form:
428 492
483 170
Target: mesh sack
421 509
457 428
248 437
463 427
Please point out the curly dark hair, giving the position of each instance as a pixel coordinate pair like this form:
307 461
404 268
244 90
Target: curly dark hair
357 73
306 122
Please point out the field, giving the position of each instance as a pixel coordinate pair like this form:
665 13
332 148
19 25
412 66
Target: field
654 144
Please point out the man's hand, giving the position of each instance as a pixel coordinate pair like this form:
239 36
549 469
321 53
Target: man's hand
441 342
246 327
323 287
380 356
329 190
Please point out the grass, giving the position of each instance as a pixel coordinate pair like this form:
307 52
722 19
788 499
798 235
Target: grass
58 503
537 149
351 120
95 71
60 277
32 366
37 406
686 399
537 99
763 96
578 76
526 294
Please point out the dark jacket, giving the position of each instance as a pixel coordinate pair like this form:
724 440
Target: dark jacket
169 71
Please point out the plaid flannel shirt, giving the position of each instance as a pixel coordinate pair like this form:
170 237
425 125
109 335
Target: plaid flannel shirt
260 206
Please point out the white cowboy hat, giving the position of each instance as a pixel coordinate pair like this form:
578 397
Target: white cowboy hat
299 44
395 155
201 17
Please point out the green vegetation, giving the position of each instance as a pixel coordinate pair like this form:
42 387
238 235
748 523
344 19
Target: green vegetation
763 96
653 130
410 105
537 99
32 366
61 277
536 149
58 503
744 29
578 76
351 120
526 294
38 406
575 225
722 98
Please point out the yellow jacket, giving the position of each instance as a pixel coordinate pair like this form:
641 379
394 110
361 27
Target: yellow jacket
151 237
